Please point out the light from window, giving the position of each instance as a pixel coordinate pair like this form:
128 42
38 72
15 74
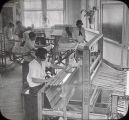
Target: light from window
55 17
32 5
55 4
55 12
33 13
33 17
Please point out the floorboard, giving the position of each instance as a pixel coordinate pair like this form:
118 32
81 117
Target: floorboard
10 94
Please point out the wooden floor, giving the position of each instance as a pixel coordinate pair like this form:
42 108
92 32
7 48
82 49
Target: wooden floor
10 94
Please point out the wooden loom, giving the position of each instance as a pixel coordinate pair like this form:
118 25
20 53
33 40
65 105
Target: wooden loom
60 90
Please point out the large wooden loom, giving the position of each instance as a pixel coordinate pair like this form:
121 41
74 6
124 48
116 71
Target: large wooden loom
58 91
61 89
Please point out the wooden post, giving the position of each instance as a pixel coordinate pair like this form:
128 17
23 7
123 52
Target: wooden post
100 47
67 61
86 83
114 102
54 51
39 103
64 102
55 48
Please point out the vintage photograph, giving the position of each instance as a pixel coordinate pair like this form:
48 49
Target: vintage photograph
64 60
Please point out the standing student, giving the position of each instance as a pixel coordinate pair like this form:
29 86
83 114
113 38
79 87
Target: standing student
19 28
79 32
66 35
9 33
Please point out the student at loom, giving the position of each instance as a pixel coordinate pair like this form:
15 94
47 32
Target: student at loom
28 47
79 32
17 47
36 75
19 28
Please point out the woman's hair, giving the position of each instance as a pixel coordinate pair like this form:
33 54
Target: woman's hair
69 33
18 22
41 53
32 34
10 24
20 35
79 22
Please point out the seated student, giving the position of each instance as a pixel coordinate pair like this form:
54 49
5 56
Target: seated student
29 46
25 46
79 32
36 80
36 75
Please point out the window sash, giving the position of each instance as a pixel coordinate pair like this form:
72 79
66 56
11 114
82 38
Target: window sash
45 11
31 17
55 17
32 4
55 4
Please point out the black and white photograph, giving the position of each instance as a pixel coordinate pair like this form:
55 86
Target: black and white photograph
64 60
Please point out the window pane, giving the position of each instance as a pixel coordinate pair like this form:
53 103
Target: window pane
55 17
113 21
33 17
32 4
54 4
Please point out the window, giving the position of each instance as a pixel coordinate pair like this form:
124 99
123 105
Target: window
33 13
43 13
112 21
55 12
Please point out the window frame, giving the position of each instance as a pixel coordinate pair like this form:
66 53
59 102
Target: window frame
44 10
32 10
123 22
57 9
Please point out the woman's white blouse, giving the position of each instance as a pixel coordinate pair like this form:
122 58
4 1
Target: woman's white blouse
36 70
